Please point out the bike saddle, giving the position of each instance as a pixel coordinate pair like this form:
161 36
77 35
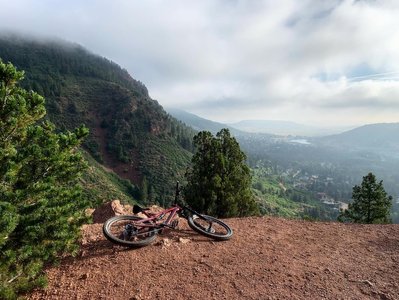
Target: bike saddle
137 209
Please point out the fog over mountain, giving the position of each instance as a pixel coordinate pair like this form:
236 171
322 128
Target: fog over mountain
314 65
311 62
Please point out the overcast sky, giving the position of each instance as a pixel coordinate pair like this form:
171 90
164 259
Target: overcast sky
313 62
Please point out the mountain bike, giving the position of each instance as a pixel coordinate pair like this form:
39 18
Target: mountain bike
134 231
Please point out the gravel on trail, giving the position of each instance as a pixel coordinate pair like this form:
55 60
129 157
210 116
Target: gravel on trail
267 258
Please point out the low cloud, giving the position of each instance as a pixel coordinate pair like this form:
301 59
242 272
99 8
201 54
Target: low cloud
232 60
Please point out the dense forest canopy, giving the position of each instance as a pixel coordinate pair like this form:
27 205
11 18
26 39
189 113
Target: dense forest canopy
130 133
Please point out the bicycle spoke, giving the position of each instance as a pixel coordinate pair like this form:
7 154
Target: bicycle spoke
130 231
210 227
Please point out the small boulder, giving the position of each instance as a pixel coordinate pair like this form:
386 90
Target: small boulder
109 210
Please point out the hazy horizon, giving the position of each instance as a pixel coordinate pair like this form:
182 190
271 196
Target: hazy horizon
313 62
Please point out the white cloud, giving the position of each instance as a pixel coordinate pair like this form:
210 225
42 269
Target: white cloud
231 60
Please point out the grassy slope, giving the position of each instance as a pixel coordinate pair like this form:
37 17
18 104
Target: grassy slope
103 185
284 200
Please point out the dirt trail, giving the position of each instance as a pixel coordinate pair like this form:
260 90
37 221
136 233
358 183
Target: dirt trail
267 258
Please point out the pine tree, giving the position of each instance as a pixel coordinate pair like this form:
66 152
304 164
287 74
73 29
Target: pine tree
219 182
144 191
41 205
370 205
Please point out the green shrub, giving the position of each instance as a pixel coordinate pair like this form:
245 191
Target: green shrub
42 207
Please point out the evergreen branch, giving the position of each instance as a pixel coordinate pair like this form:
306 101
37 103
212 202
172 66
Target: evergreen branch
6 94
15 277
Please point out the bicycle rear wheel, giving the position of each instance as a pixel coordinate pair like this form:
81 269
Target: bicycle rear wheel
126 231
210 227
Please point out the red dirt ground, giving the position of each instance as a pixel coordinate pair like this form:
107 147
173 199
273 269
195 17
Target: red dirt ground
267 258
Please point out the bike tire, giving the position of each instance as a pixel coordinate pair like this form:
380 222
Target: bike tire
115 232
221 231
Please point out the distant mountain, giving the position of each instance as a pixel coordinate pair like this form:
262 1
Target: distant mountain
383 136
198 123
130 133
283 128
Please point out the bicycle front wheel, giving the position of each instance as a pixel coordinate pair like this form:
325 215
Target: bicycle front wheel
210 227
126 231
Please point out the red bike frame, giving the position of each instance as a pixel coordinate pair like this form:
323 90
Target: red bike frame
134 227
154 218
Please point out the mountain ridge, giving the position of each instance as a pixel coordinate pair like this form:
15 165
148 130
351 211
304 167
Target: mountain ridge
360 135
272 127
130 132
369 135
198 123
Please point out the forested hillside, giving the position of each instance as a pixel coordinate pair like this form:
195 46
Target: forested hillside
381 138
130 133
313 177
